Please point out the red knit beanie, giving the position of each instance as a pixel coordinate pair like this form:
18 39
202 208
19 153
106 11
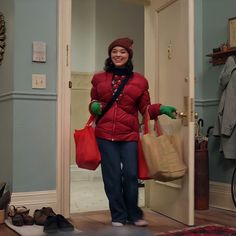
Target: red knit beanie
124 43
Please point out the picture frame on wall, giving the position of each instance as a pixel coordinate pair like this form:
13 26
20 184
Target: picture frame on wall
232 32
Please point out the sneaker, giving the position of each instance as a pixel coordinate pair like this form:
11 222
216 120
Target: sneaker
141 223
117 224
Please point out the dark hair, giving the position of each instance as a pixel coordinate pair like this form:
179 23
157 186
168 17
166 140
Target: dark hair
110 67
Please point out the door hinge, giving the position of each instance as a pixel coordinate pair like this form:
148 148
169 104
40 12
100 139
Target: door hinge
70 84
192 108
67 55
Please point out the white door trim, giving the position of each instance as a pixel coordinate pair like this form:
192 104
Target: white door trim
63 108
151 72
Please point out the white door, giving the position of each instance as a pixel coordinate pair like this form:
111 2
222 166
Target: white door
169 43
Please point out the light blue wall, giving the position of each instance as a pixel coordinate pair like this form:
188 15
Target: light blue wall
28 117
6 105
31 113
212 16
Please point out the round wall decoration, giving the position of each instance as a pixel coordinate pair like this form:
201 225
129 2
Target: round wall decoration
2 37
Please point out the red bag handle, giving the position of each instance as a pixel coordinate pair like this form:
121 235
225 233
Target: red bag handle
90 120
147 121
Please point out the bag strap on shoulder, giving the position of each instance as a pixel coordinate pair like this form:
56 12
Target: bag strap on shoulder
113 99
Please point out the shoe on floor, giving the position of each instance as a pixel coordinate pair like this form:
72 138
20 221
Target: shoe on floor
48 211
28 220
39 217
17 220
50 225
141 223
117 224
64 224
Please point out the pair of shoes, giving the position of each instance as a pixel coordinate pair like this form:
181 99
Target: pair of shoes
20 216
40 215
140 223
117 224
57 222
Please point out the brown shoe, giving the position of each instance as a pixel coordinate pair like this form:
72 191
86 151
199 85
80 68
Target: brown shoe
48 211
39 217
27 219
17 220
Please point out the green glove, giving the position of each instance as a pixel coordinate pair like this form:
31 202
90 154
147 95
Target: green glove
96 108
168 110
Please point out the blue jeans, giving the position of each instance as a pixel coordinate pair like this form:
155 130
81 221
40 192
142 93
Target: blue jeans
119 172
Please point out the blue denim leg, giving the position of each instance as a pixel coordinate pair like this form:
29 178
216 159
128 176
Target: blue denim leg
130 180
112 178
119 171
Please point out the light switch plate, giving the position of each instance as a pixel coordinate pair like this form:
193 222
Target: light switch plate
38 81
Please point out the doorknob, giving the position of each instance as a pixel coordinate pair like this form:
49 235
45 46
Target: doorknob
183 116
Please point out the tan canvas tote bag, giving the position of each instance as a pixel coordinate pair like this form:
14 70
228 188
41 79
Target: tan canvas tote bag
162 152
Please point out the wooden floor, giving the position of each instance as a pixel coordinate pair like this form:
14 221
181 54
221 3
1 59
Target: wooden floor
98 220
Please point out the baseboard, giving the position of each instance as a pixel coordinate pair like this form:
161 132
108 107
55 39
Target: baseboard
35 200
220 196
79 174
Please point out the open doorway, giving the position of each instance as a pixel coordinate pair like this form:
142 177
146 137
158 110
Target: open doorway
94 25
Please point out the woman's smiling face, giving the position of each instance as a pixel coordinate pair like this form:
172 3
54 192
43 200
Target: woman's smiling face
119 56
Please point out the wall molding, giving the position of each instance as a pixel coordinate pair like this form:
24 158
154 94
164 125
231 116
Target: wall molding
35 200
18 95
220 196
206 102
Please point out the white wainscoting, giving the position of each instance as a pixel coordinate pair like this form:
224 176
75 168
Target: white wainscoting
220 196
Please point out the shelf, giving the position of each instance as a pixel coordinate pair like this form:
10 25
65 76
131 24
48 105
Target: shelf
219 58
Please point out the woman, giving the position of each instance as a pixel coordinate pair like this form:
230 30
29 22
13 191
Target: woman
117 131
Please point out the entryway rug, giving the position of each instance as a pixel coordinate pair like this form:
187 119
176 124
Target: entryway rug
37 230
206 230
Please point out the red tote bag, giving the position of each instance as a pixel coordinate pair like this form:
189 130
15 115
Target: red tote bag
142 165
87 152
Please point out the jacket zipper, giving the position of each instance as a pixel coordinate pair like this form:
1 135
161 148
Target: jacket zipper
114 119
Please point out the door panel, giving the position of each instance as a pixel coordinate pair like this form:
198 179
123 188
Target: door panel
172 21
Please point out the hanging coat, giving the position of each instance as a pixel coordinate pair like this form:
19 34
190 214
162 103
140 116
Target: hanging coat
225 126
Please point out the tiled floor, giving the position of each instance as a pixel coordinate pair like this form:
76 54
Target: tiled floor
87 194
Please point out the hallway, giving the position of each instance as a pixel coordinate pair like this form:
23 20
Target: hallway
88 194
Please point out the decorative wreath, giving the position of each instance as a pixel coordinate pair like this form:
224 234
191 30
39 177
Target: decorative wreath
2 37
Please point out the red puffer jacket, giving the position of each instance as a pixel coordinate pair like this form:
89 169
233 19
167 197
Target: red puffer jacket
120 122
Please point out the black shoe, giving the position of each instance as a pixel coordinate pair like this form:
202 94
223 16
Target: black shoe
64 224
50 225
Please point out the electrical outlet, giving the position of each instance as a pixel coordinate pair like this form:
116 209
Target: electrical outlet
38 81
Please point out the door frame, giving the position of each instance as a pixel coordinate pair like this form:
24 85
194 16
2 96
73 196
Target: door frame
64 92
63 107
151 72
